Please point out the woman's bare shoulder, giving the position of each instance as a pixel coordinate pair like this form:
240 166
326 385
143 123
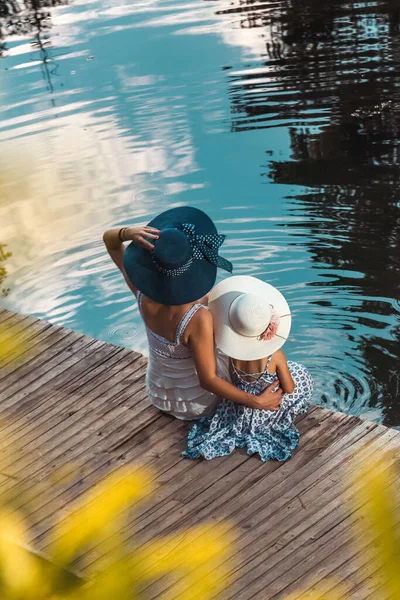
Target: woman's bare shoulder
278 358
202 317
200 326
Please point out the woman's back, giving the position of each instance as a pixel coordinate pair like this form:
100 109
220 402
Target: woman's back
172 382
167 323
166 326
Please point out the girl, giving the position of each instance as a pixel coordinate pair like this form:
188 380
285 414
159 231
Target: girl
170 266
252 321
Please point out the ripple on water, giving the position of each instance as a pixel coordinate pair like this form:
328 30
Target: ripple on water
352 392
148 195
122 334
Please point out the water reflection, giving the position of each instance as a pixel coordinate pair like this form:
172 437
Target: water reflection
357 241
329 74
33 18
320 61
281 119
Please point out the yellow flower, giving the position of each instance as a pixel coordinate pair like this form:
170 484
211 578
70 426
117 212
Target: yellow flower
377 503
19 570
97 514
12 343
192 560
199 555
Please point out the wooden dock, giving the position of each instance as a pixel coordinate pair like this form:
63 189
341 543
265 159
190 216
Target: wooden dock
78 400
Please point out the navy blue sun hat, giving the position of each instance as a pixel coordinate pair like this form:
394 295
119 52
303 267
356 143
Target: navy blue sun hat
182 267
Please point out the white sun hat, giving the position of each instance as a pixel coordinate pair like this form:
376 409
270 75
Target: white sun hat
251 318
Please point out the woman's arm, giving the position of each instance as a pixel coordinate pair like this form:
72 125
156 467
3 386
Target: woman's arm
201 342
114 238
282 370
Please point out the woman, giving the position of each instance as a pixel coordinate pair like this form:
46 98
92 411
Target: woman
171 265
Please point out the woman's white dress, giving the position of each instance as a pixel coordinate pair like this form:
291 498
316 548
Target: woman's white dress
172 383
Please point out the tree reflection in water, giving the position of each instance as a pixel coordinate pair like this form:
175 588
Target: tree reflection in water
330 74
30 18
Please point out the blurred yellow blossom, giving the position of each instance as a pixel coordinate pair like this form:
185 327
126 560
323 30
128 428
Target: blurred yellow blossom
19 570
201 553
12 343
377 503
99 512
192 560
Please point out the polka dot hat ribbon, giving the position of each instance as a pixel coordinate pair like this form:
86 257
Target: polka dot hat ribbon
206 246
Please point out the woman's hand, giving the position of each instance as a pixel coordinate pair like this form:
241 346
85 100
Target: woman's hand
113 239
269 400
139 235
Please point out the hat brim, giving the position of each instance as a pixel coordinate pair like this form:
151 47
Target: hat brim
226 338
187 287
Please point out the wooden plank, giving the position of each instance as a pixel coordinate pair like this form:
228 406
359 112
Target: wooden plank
349 566
25 328
141 453
227 476
373 588
226 500
79 400
45 505
78 442
76 394
276 555
83 400
70 387
11 317
32 337
166 436
291 518
243 593
45 510
326 513
33 370
163 497
319 552
167 507
42 340
75 347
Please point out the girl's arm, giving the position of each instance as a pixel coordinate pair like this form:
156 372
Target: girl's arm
201 342
114 238
282 370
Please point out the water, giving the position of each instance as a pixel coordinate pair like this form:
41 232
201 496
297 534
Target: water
280 119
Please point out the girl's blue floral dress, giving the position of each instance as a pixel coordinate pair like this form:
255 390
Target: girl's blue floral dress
270 433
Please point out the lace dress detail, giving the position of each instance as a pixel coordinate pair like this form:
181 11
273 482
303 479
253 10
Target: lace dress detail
271 434
171 380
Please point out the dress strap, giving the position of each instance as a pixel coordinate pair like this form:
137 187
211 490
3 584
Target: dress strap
266 371
184 322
